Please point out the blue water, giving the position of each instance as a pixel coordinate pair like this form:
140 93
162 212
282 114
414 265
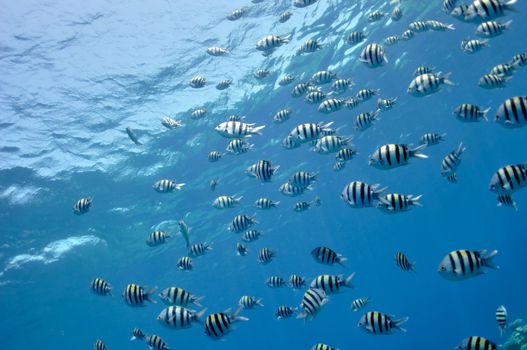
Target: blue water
73 77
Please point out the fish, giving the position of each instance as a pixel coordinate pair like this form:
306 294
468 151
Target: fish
355 38
223 202
286 79
474 45
312 303
219 324
284 312
310 46
224 84
197 82
491 29
241 223
198 249
217 51
519 60
396 203
460 265
239 146
236 14
214 156
178 317
332 283
156 238
432 138
360 194
100 287
135 295
251 235
241 250
264 170
303 3
296 281
335 104
290 142
345 154
179 296
185 263
360 303
402 262
423 70
512 113
503 69
327 256
185 232
420 26
292 191
82 206
391 40
467 112
315 97
171 123
476 343
309 132
373 56
322 346
261 73
249 302
323 77
364 120
282 115
167 186
235 118
385 104
392 155
407 35
396 14
99 345
300 89
365 94
460 12
501 318
376 16
492 81
133 136
448 5
155 342
440 26
266 255
284 17
331 144
375 322
489 9
339 165
452 160
271 42
426 84
303 178
303 206
266 203
275 282
506 200
234 129
509 179
342 85
137 334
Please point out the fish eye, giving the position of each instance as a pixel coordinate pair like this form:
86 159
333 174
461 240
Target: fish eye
442 268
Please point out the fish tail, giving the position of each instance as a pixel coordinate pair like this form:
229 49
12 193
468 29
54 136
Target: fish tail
484 113
348 279
507 24
258 130
487 260
200 314
415 200
148 295
445 79
197 301
179 186
397 323
416 152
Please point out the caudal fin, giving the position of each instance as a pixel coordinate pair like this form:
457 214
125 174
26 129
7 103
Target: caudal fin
445 79
415 200
257 130
416 152
149 294
200 314
347 281
487 259
397 323
179 186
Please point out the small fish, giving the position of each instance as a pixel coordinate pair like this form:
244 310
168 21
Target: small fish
308 132
376 16
396 14
460 12
303 206
155 342
432 138
391 40
345 154
506 200
284 17
452 160
251 235
241 250
185 263
219 324
460 265
360 194
302 178
339 165
509 179
475 45
300 89
179 317
291 190
365 120
323 77
420 26
402 261
449 5
157 238
197 82
303 3
467 112
331 144
101 287
271 42
286 79
99 345
315 96
310 46
179 296
284 312
354 38
137 334
282 115
332 105
239 146
275 282
133 136
393 155
235 129
214 156
223 202
440 26
373 56
167 186
249 302
365 94
312 303
217 51
407 35
266 255
327 256
427 84
241 223
198 249
423 70
396 203
489 9
493 81
296 281
322 346
519 60
378 323
512 113
185 232
360 303
171 123
261 73
492 28
235 118
332 283
476 343
266 203
224 84
236 14
82 206
135 295
503 69
501 318
386 104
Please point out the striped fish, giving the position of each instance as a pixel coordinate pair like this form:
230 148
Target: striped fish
440 26
179 317
282 115
296 281
339 165
300 89
376 16
312 303
397 13
332 283
427 84
99 345
251 235
342 85
135 295
519 60
373 55
302 178
322 346
492 81
249 302
224 84
366 94
82 206
239 146
323 77
241 250
345 154
235 118
467 112
284 16
460 12
223 202
402 261
509 179
241 223
303 3
217 51
506 200
264 170
396 203
407 35
198 249
101 287
452 160
501 318
378 323
391 40
360 194
137 334
432 138
291 190
489 9
236 14
503 69
157 238
184 263
275 282
155 342
359 303
303 206
354 38
420 26
393 155
423 70
308 132
219 324
512 113
179 296
261 73
327 256
271 42
492 28
284 312
385 104
310 46
167 186
449 5
331 144
332 105
364 120
266 255
286 80
171 123
315 97
475 45
476 343
234 129
266 203
460 265
197 82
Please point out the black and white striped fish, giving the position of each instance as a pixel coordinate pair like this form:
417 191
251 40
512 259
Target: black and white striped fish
364 120
359 303
385 104
449 5
322 346
179 317
82 206
223 202
198 249
501 318
136 295
101 287
423 70
284 312
303 206
509 179
167 186
239 146
503 69
137 334
171 123
331 144
460 265
312 303
179 296
236 129
315 97
512 113
224 84
366 94
492 28
506 200
214 156
217 51
156 238
99 345
286 79
402 261
198 113
241 223
303 3
467 112
308 132
432 138
332 283
154 342
251 235
341 85
354 38
492 81
282 115
241 249
271 42
489 9
345 154
331 105
302 178
378 323
476 343
291 190
327 256
360 194
397 13
391 40
452 160
219 324
474 45
185 263
519 60
440 26
296 281
376 16
407 35
266 203
236 14
275 282
420 26
396 203
393 155
266 255
373 55
284 16
264 170
310 46
261 73
300 89
427 84
198 82
460 12
249 302
235 118
323 77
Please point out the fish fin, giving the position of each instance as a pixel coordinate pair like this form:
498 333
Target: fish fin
348 280
484 114
197 301
397 323
445 79
179 186
258 130
259 302
200 314
487 259
148 295
507 24
415 200
416 152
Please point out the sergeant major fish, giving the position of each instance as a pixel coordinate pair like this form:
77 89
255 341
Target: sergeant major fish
360 194
135 295
426 84
312 303
179 317
376 322
238 129
332 283
373 56
460 265
219 324
179 296
167 186
82 206
327 256
396 203
223 202
393 155
157 238
100 287
512 113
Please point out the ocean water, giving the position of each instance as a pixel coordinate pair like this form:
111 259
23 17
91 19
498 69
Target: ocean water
73 76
